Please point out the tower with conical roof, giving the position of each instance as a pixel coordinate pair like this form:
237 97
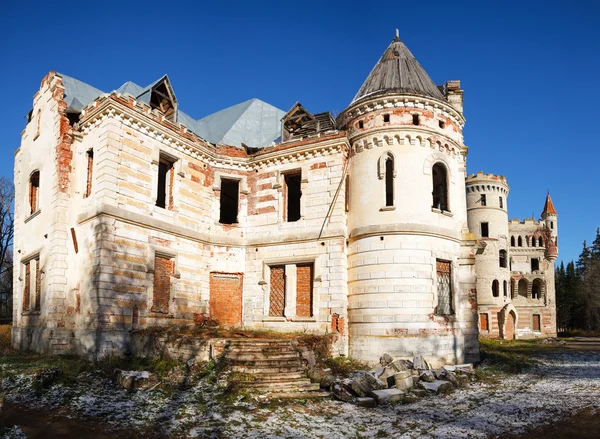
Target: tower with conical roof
550 217
409 276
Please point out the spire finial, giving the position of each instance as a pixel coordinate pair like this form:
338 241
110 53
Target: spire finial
397 35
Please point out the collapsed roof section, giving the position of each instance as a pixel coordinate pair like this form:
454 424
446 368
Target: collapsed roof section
253 123
299 123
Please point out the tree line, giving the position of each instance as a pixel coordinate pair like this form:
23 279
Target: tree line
578 290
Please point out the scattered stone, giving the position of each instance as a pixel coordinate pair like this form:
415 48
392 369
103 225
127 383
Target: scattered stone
396 399
385 360
403 380
365 402
463 380
189 364
419 392
465 368
388 376
341 392
420 363
411 398
427 376
401 365
438 386
134 380
366 383
321 376
449 376
384 396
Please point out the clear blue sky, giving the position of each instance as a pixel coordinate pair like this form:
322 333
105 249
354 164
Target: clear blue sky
529 70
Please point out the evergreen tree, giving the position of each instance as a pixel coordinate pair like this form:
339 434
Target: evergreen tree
595 248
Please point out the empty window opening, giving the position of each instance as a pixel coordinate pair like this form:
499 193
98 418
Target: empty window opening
552 225
484 322
495 288
162 100
537 323
500 202
90 170
304 290
533 241
34 187
386 117
536 289
512 241
166 177
485 232
361 124
541 242
293 193
520 242
502 258
73 118
442 124
277 291
483 200
440 187
535 264
32 285
523 288
505 288
389 182
164 269
444 287
415 119
230 190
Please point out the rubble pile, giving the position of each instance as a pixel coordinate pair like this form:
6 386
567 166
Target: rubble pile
396 381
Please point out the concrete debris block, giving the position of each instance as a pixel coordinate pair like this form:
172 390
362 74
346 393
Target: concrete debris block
437 386
463 380
385 359
341 392
400 365
427 376
366 383
465 368
321 376
449 376
134 380
377 372
396 399
420 363
365 402
388 375
403 380
384 396
419 392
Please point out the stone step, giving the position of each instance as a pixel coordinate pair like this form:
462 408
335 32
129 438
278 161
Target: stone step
279 376
259 349
298 395
244 356
259 342
293 362
274 384
288 387
266 369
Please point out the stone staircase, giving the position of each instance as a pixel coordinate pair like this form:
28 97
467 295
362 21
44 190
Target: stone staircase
270 367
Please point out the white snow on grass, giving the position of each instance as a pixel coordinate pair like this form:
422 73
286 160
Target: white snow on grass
561 384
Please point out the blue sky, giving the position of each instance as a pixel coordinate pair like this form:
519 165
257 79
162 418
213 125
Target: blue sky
529 70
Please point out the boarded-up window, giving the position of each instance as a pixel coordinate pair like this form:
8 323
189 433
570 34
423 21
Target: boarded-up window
304 275
164 268
226 298
444 287
90 169
484 323
277 292
38 285
34 187
536 323
27 286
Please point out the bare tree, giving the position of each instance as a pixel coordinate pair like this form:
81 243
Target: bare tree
7 196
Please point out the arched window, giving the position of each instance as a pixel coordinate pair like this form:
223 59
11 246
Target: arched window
495 288
502 258
505 289
389 182
386 171
440 187
34 188
533 241
520 242
512 241
523 288
536 289
541 242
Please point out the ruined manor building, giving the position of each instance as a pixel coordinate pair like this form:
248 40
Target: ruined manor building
132 214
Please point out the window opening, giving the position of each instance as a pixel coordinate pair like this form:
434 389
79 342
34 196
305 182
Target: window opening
505 288
520 242
483 200
361 124
34 186
442 124
164 268
90 170
304 290
500 202
495 288
523 288
389 182
535 264
537 323
230 190
415 119
552 225
536 289
166 177
277 291
512 241
386 117
485 232
540 242
293 193
440 187
484 323
502 258
444 287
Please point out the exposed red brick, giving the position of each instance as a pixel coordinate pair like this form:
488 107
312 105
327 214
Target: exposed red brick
163 270
27 287
337 323
319 165
157 241
266 198
226 290
266 186
304 276
38 285
267 209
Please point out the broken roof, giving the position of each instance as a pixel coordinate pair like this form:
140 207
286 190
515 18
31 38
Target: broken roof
397 71
253 123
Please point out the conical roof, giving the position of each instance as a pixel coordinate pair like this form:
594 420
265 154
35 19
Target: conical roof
549 206
398 72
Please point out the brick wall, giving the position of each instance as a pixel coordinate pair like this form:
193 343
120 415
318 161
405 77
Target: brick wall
226 298
163 270
27 286
38 285
304 277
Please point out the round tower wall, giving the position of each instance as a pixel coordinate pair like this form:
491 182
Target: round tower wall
487 202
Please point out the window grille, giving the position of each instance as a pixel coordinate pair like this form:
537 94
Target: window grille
444 288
